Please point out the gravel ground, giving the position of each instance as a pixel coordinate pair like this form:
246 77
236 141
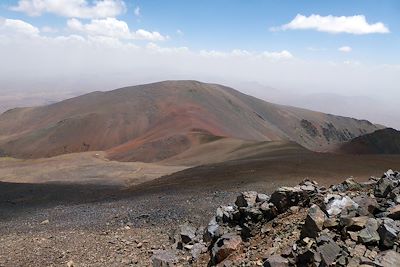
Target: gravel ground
89 225
111 232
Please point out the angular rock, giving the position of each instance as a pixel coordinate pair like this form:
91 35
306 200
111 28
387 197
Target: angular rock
389 258
331 223
383 187
306 257
253 214
369 234
388 233
394 212
225 245
366 204
329 252
276 261
354 223
336 204
164 258
187 233
314 222
212 231
285 197
351 185
269 210
197 250
246 199
389 173
262 198
358 251
225 213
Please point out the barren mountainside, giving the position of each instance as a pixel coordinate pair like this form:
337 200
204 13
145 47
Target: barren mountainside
154 122
385 141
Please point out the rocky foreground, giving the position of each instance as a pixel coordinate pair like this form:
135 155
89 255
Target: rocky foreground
349 224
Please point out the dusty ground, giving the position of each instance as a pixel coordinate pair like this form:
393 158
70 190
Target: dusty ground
87 167
106 225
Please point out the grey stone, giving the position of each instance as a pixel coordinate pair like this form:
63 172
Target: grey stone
366 204
262 198
387 233
389 258
253 214
187 233
164 258
358 251
314 222
276 261
285 197
383 187
197 250
389 173
269 210
212 230
369 234
329 252
225 213
246 199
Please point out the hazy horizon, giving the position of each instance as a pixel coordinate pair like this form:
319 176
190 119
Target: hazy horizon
305 54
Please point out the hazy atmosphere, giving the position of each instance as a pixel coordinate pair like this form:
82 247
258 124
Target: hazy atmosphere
320 58
183 133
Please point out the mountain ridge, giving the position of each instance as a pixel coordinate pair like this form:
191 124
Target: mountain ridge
164 119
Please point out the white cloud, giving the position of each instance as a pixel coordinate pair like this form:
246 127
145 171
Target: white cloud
146 35
237 53
152 47
345 49
284 54
14 27
179 32
72 8
213 53
137 11
112 27
48 29
332 24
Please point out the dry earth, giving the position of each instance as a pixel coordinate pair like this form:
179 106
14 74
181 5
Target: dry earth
88 167
106 225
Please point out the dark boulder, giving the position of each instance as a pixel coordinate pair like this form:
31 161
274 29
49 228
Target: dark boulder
314 222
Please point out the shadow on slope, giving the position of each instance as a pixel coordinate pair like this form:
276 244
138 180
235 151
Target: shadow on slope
385 141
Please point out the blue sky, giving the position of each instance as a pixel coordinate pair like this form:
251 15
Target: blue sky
225 25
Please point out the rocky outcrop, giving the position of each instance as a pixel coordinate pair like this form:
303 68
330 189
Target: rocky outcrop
349 224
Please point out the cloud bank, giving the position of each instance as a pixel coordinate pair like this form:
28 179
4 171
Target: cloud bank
331 24
112 27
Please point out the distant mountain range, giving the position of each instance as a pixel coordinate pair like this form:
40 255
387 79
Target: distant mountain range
159 121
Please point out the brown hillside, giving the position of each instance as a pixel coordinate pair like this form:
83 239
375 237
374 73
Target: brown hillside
156 121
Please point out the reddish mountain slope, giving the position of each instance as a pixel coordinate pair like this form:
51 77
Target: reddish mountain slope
385 141
156 121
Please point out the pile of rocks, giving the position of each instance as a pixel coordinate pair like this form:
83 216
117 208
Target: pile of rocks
349 224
